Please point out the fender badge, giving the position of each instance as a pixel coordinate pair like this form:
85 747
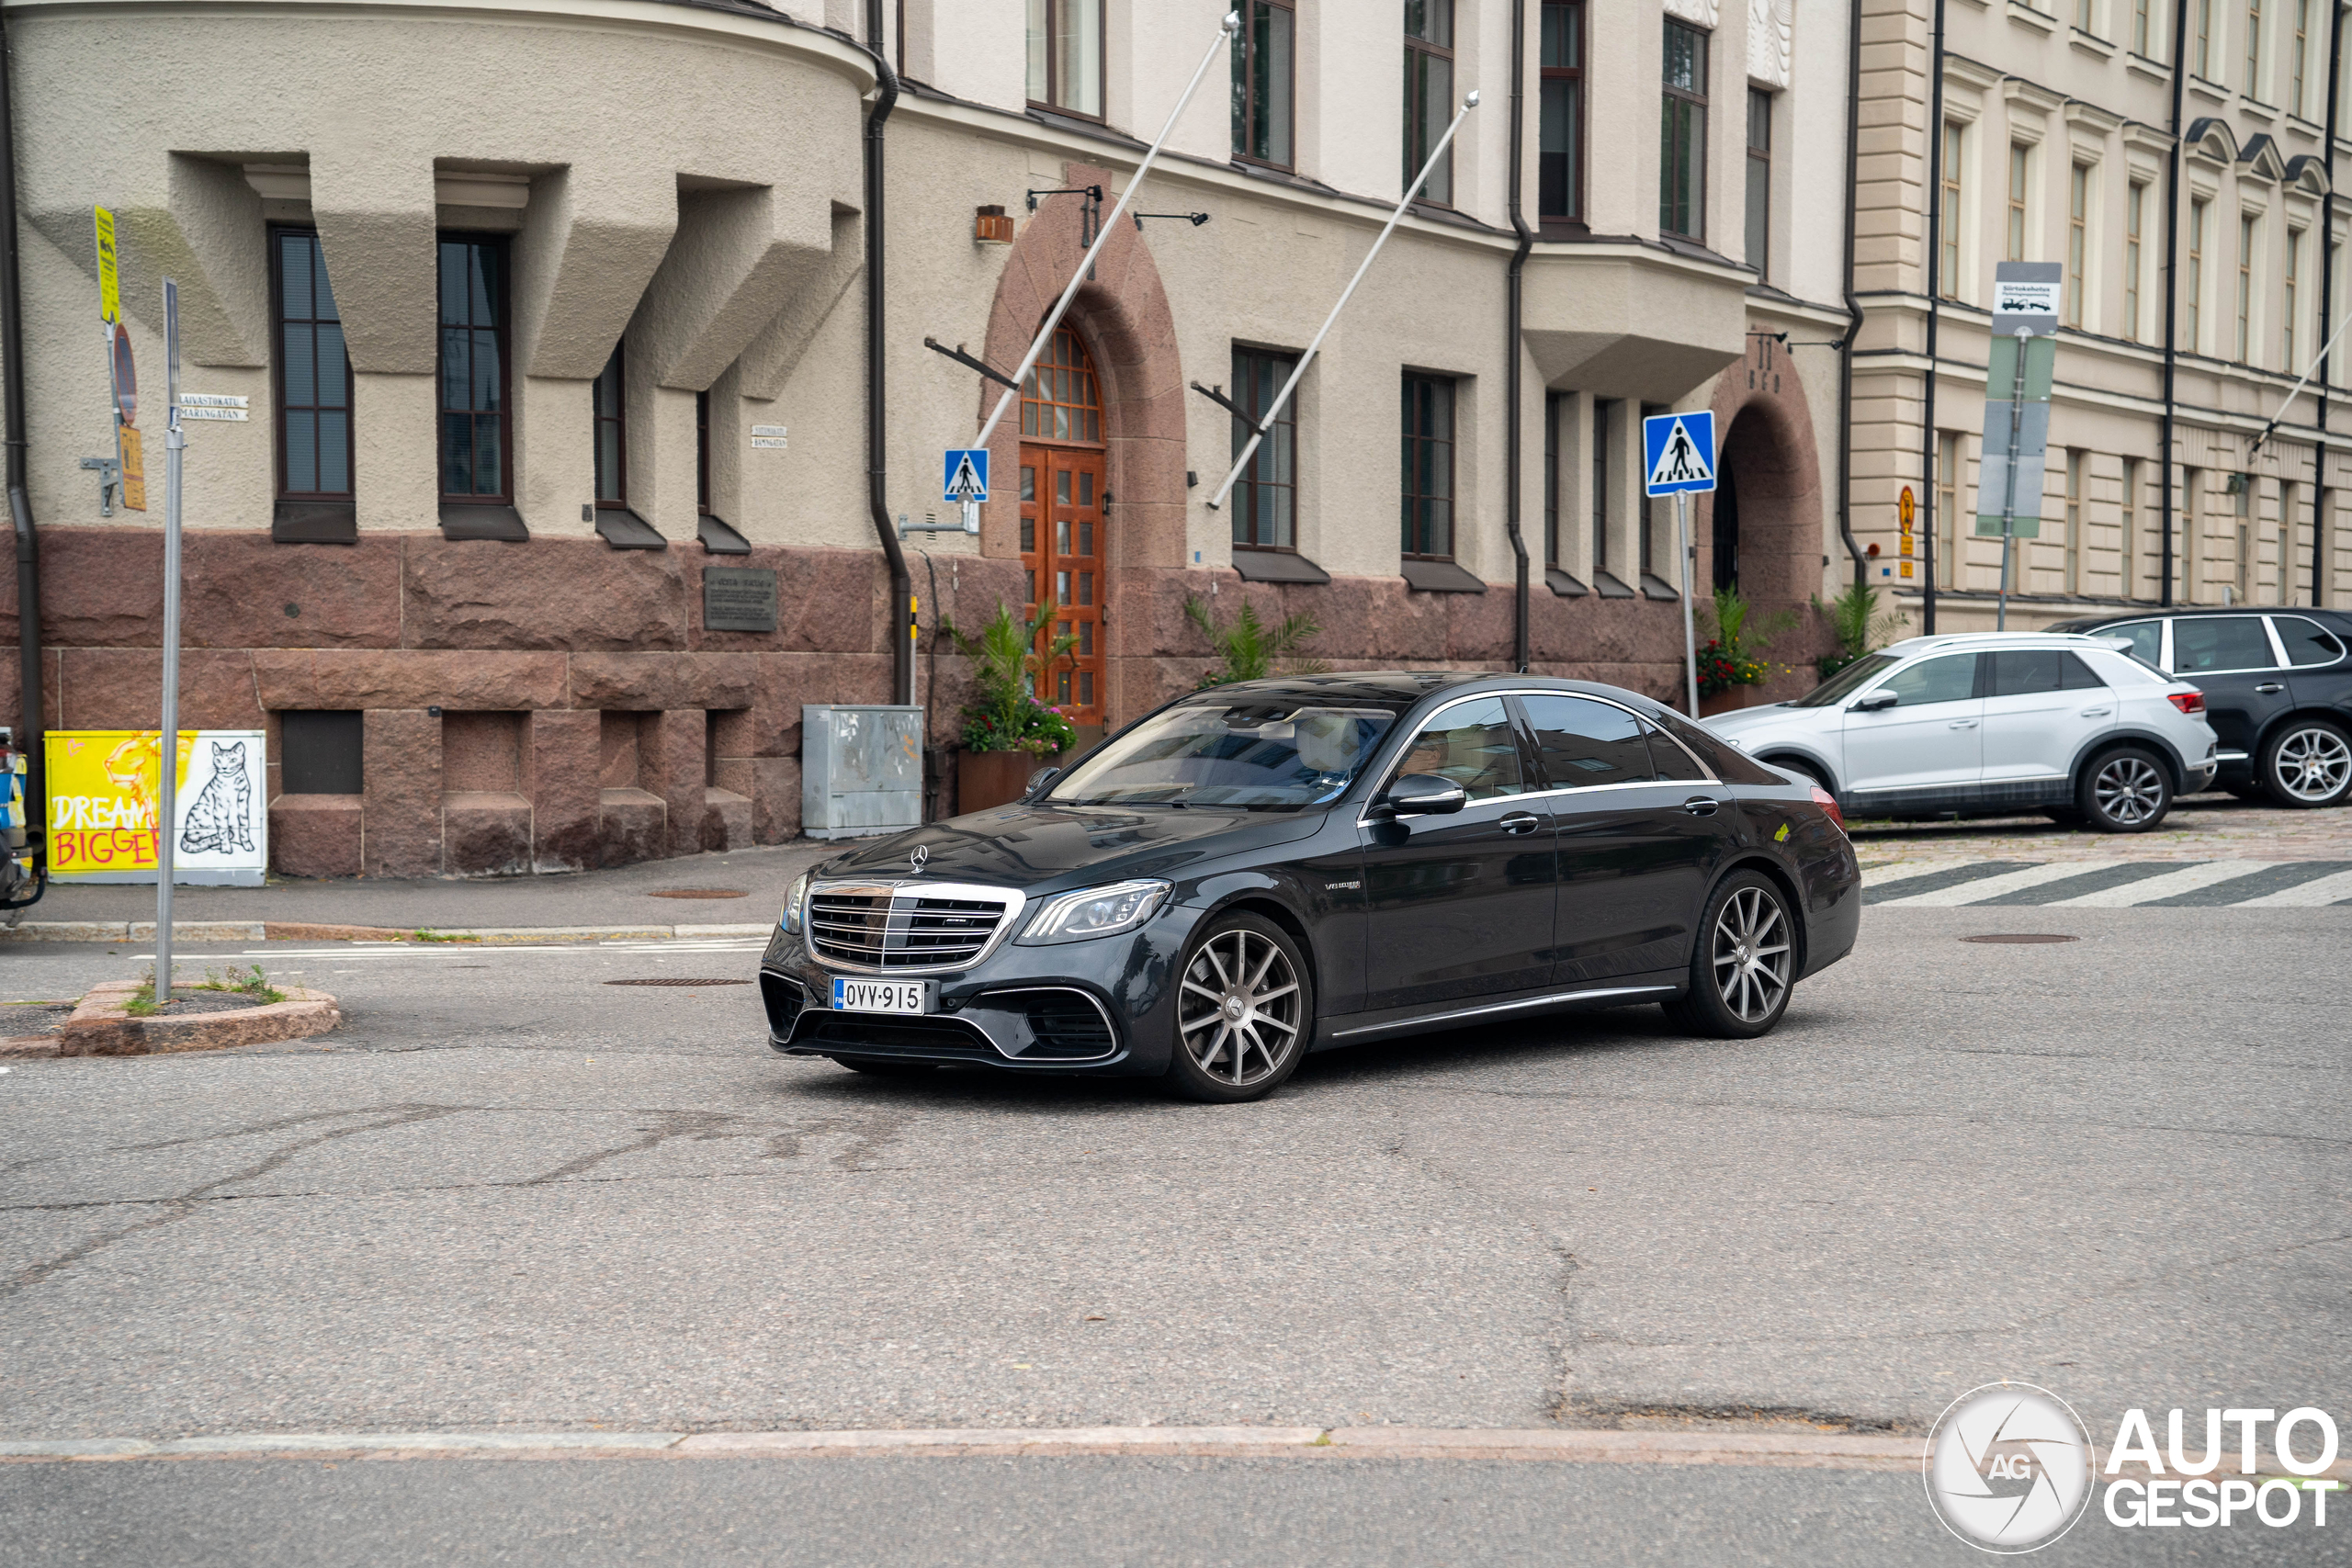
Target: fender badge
1780 837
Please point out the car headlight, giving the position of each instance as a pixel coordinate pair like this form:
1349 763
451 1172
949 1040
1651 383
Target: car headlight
793 898
1096 911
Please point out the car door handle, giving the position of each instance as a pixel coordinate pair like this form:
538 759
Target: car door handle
1521 822
1963 724
2096 713
2269 686
1699 805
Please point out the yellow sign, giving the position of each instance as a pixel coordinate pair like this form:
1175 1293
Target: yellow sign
134 470
105 786
109 270
1906 509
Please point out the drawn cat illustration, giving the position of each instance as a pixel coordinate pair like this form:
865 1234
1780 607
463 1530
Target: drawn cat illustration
217 822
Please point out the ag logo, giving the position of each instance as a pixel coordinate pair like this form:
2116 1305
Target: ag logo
2008 1467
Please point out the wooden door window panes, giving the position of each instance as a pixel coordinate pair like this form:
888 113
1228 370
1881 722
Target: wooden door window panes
1560 125
1063 536
1429 94
474 436
313 374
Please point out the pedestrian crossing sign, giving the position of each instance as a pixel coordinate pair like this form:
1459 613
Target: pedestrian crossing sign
966 473
1678 454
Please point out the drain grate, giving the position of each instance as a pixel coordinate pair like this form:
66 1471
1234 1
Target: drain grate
2021 938
669 980
700 892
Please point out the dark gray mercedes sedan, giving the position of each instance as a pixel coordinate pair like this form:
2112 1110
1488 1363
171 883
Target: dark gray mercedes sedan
1258 871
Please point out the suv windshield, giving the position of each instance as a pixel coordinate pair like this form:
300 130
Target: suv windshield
1236 752
1842 684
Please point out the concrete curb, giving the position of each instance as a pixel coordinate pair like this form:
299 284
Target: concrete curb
100 1027
298 930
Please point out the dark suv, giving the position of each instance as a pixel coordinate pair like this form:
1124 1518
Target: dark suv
2278 686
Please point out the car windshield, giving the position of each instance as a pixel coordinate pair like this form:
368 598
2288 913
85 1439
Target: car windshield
1843 684
1242 752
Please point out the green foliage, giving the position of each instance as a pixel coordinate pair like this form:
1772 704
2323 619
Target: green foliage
1005 664
1734 656
439 936
1249 649
1858 624
255 984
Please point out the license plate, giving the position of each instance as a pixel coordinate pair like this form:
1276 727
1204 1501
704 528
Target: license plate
880 995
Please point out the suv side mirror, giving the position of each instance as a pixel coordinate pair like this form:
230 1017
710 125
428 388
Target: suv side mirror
1873 701
1425 795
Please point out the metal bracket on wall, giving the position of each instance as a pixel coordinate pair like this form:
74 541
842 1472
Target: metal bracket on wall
960 357
109 474
1216 395
1090 216
1195 219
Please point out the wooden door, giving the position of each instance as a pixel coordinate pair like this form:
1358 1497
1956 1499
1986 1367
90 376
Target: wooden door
1063 543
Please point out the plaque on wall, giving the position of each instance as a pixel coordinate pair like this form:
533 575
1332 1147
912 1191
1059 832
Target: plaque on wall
738 599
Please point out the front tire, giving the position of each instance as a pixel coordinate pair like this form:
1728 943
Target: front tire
1244 1010
2308 765
2126 791
1744 964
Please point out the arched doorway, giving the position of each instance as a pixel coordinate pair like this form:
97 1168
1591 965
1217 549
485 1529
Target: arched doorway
1765 534
1062 544
1725 537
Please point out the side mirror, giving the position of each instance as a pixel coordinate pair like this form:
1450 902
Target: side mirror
1873 701
1425 795
1039 781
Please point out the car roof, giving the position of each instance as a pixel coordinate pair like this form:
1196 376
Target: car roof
1403 689
2086 622
1947 642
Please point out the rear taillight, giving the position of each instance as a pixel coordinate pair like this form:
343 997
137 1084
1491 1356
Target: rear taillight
1829 802
2187 702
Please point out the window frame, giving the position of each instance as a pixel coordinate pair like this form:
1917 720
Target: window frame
1421 54
275 234
2135 205
2289 280
1553 403
2078 239
503 329
1602 408
702 450
1947 482
1246 489
2140 29
1417 442
2298 60
2074 465
2017 222
2249 233
1053 10
1574 78
616 367
2128 541
1682 132
2202 41
2199 208
1759 158
1246 107
2254 42
1948 219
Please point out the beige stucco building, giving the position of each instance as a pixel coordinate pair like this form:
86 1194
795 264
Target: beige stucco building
2057 144
537 360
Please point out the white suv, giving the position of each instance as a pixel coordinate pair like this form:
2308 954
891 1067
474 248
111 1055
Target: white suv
1993 723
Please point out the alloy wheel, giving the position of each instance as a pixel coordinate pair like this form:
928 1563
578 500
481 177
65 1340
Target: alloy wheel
2312 765
1240 1008
1751 955
2129 790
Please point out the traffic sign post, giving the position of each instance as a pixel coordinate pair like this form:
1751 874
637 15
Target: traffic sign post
1678 459
2020 365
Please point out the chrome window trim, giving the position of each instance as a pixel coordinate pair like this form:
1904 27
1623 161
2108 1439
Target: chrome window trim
1418 1020
1363 820
1014 900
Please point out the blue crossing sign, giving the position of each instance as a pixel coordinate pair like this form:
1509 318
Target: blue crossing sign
966 473
1678 454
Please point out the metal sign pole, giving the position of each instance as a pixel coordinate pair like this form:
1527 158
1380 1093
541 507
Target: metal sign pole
167 770
1690 576
1226 31
2009 495
1273 409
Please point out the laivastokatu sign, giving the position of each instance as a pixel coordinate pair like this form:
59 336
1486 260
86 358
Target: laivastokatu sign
103 789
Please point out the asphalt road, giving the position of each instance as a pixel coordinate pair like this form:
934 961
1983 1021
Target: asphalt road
507 1195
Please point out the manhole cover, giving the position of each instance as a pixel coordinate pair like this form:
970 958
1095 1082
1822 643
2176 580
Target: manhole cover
702 893
667 980
2021 937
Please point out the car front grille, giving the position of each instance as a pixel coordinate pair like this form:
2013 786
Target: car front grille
887 929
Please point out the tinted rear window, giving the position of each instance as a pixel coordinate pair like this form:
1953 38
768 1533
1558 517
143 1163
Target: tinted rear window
2218 643
1728 762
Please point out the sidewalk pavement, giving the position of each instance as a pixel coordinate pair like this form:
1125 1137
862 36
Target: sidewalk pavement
2202 827
624 899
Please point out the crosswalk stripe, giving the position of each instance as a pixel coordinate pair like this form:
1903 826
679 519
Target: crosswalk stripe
1874 892
2182 879
2106 875
1983 888
2333 889
2258 883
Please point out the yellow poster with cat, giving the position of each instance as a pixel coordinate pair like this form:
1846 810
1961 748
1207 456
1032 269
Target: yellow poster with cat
105 787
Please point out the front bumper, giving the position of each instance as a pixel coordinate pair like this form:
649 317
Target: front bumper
1106 1006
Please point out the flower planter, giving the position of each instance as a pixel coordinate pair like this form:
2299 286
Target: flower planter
985 778
1731 700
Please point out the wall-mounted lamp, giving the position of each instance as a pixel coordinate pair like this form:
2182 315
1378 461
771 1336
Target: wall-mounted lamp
992 227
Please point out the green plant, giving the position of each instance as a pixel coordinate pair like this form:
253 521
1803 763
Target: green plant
253 985
1006 662
1249 649
1734 656
1856 621
441 936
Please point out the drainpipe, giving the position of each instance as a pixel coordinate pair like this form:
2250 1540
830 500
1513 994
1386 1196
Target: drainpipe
1512 349
2172 282
20 504
1853 305
903 584
1934 314
2326 316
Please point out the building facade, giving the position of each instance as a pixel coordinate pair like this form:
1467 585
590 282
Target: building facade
2174 160
538 362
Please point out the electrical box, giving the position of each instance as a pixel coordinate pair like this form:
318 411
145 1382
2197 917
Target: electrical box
861 770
